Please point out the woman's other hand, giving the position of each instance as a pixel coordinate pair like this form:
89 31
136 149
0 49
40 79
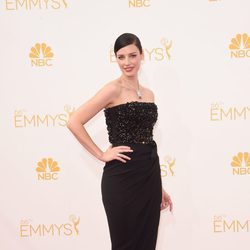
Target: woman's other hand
166 201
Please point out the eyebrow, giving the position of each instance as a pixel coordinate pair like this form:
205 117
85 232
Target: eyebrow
135 52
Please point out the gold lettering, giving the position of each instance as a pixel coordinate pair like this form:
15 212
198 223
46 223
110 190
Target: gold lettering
214 113
146 3
8 5
48 62
34 62
149 52
26 120
234 53
16 121
65 4
51 228
241 53
54 176
237 113
56 6
53 119
33 3
58 228
112 57
63 118
47 176
46 3
21 4
217 226
139 3
159 51
41 121
40 62
23 230
35 231
226 114
242 226
241 171
132 3
236 171
68 229
41 176
163 170
226 226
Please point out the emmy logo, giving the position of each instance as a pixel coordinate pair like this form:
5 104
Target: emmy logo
68 229
75 222
167 167
167 45
69 110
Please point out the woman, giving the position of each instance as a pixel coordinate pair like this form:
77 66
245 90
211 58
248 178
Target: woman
132 192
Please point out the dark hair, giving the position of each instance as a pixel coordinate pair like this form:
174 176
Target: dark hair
126 39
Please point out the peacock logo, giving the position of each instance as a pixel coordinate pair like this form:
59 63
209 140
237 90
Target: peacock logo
47 169
41 55
240 46
241 163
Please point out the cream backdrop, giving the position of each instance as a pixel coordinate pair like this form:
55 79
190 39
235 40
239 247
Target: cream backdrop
197 61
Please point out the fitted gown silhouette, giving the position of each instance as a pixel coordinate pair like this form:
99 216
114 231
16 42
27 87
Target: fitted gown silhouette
132 191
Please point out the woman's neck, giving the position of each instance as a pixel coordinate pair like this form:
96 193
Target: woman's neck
130 81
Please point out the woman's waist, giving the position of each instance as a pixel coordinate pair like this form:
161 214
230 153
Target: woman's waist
135 144
140 150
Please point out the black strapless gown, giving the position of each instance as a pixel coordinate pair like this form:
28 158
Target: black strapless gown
132 191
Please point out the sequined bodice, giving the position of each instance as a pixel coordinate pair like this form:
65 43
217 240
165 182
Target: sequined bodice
131 122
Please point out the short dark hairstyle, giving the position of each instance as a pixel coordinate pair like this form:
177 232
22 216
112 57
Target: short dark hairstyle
126 39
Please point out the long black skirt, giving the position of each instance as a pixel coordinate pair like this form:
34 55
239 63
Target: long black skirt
131 195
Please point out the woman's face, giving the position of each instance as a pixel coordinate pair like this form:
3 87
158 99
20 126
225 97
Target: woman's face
129 60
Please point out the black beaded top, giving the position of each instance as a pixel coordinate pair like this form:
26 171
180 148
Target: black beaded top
131 122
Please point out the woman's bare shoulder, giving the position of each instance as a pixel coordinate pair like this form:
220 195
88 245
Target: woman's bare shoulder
148 93
113 86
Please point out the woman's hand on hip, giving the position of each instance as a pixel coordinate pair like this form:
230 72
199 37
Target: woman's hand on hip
115 153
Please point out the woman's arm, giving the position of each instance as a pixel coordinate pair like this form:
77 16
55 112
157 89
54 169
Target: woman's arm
88 110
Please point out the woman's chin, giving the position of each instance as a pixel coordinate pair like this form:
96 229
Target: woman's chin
130 74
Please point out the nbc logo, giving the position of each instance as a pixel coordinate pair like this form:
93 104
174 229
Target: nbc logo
47 169
167 166
241 163
41 55
138 3
240 46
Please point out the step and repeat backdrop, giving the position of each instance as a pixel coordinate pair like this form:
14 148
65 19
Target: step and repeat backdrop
55 55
